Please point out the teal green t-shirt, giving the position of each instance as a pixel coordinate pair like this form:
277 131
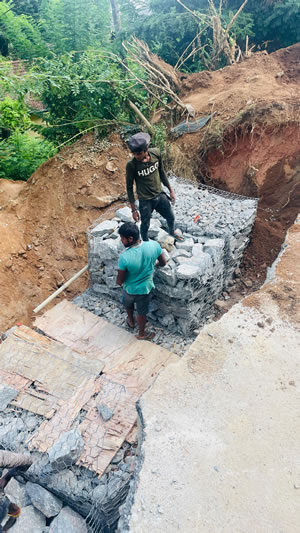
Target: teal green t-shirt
139 263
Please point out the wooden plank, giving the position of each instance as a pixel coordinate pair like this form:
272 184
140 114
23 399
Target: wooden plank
13 380
34 404
132 436
83 331
104 439
142 361
50 431
122 354
61 319
56 367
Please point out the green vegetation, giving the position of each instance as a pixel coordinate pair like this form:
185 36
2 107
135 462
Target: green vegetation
69 55
21 155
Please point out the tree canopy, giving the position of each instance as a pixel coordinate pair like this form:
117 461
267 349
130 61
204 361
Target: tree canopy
70 55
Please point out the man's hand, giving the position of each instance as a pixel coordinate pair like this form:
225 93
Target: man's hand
172 197
136 215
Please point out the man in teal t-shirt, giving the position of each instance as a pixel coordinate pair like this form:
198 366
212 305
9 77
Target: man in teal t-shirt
135 275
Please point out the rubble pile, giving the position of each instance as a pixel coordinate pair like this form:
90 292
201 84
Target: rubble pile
216 226
55 494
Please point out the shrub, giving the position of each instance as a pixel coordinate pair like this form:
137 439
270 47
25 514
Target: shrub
21 155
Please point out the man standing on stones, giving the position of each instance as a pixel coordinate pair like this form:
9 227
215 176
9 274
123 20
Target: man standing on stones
146 170
135 275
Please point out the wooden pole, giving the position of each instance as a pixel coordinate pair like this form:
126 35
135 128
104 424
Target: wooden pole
142 117
61 289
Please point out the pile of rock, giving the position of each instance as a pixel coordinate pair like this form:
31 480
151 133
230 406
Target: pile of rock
55 494
216 228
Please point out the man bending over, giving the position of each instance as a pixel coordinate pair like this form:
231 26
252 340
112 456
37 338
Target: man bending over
135 275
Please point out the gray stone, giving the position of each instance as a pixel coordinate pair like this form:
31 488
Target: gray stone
167 320
176 254
68 521
204 262
114 487
43 500
99 493
197 249
167 275
108 226
154 228
16 492
105 412
181 259
187 244
125 214
29 519
12 433
188 271
118 457
7 394
66 450
108 250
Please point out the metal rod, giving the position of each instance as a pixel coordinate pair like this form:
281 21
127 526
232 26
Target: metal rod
61 289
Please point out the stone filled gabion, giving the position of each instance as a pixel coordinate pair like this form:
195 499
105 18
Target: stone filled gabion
216 226
47 493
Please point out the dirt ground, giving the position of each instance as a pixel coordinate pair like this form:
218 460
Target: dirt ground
251 147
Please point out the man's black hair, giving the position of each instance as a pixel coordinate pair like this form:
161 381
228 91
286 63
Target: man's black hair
129 229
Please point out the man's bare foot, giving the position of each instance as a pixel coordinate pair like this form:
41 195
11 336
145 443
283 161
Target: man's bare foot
147 336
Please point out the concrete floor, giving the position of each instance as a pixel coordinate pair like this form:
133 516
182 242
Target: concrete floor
221 426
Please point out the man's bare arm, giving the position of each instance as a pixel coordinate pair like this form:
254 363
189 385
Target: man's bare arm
121 277
161 260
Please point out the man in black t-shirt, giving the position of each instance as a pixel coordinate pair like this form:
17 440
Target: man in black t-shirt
146 170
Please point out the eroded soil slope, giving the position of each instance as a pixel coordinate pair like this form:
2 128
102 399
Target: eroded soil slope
251 146
43 223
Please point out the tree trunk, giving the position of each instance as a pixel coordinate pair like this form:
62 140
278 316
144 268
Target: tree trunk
115 9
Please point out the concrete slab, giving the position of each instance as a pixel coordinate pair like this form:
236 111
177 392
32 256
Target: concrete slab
221 426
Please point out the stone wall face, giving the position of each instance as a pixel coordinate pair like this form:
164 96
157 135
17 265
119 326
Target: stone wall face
216 227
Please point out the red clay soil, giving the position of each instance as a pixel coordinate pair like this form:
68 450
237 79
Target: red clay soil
43 223
256 106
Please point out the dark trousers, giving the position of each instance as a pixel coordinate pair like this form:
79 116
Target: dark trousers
160 204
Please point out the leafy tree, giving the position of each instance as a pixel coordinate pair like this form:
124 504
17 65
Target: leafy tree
81 94
75 25
23 37
277 23
26 7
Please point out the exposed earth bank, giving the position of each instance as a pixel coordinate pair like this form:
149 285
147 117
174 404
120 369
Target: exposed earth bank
251 147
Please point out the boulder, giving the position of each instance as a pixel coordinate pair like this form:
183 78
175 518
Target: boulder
107 226
30 519
43 500
17 493
125 214
68 521
66 450
187 244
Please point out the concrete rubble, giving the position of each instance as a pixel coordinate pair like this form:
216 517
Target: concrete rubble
216 228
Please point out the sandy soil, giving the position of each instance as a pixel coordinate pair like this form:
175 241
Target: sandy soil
43 222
